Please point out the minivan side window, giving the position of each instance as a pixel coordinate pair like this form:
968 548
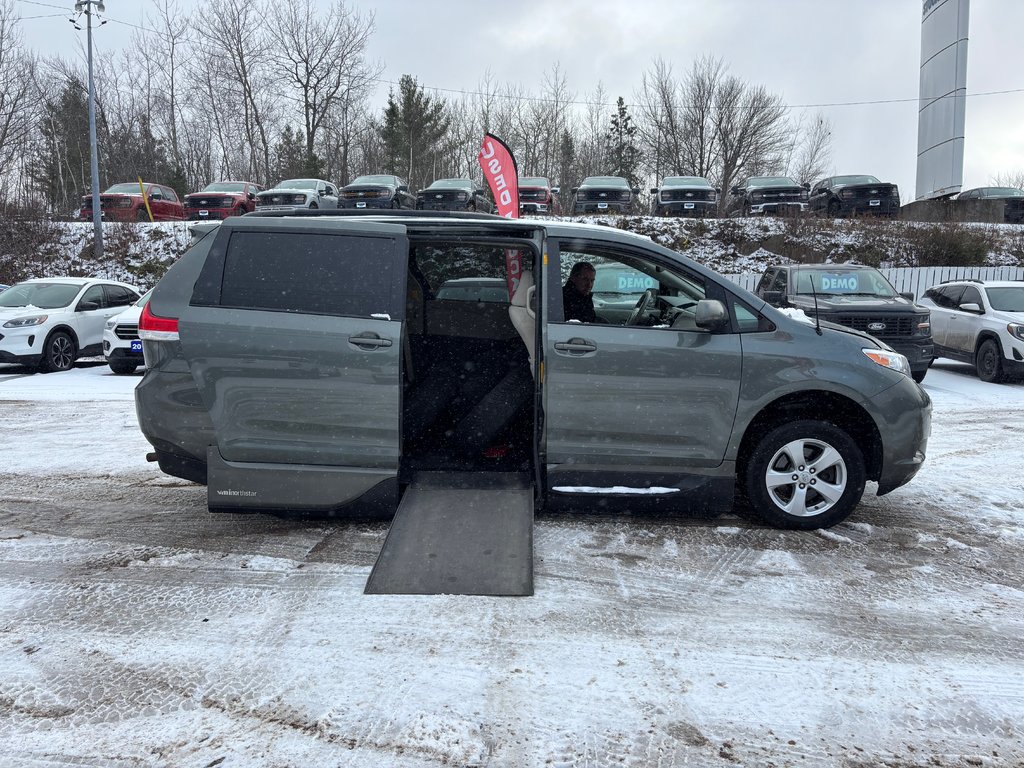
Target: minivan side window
308 273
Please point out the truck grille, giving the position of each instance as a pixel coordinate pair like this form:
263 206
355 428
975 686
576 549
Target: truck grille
126 332
894 326
203 202
604 195
684 194
533 194
439 195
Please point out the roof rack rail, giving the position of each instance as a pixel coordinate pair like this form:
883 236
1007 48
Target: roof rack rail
962 280
387 212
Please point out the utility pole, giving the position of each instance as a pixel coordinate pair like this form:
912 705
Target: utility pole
86 7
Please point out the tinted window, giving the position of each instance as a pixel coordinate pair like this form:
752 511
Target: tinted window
971 296
309 274
95 293
119 296
948 295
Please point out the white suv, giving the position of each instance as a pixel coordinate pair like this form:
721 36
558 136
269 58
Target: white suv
979 322
49 323
121 344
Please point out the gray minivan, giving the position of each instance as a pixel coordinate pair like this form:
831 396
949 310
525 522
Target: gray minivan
308 364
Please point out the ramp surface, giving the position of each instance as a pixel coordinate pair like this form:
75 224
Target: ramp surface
459 535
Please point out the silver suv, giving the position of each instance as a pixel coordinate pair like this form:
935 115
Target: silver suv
981 323
310 364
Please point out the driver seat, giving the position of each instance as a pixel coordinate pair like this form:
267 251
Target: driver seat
523 315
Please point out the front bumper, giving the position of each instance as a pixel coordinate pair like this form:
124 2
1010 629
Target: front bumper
777 208
884 207
686 208
534 208
280 208
595 207
111 214
361 204
904 421
209 214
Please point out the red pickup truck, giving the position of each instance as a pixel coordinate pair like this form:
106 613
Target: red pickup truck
222 199
123 202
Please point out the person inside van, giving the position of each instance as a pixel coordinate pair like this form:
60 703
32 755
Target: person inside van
577 296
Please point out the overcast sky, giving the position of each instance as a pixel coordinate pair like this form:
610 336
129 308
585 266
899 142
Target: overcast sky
810 52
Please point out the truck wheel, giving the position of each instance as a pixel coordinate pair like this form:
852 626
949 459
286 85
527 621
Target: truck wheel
58 354
989 361
804 475
140 215
833 209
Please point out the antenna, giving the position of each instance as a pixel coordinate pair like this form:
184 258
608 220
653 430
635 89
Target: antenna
814 293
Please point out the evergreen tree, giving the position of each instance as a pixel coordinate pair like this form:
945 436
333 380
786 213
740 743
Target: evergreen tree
414 125
621 150
61 168
290 156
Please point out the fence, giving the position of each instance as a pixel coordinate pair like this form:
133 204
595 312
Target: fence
916 280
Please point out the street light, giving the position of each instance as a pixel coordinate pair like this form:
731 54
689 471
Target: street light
89 7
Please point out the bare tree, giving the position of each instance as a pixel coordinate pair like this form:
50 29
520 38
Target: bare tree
751 130
233 39
322 58
18 95
1014 179
812 150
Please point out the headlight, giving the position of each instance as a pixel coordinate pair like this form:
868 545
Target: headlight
805 195
886 359
713 194
757 196
463 196
298 199
227 202
924 325
846 194
25 322
124 203
109 325
895 192
1016 330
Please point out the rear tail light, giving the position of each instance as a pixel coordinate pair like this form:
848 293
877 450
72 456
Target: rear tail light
156 328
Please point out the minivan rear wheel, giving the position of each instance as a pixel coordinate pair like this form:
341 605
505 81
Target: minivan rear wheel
804 475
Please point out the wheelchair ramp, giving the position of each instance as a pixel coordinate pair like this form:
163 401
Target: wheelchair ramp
459 534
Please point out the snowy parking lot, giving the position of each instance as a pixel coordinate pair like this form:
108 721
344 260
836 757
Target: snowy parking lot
138 629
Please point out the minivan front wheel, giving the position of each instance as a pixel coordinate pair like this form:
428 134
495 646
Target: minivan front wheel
804 475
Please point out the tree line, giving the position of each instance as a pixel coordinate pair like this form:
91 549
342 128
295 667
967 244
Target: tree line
263 91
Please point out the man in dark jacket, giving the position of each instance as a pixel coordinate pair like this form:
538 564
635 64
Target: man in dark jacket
577 301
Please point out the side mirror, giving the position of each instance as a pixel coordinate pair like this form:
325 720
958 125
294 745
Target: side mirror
736 191
654 190
711 315
972 308
556 190
806 185
574 189
252 195
636 190
403 188
88 306
908 295
775 298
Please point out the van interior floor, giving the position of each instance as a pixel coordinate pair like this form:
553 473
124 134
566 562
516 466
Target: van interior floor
455 533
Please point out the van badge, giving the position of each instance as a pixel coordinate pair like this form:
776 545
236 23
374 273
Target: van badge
876 326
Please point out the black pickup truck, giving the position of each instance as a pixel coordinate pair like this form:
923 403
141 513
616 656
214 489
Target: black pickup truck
858 297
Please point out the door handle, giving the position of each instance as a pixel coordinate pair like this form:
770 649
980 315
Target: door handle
369 341
576 346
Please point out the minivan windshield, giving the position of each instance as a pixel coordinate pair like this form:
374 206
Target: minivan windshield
1007 299
41 295
824 281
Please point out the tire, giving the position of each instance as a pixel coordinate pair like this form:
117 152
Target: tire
122 367
140 216
918 376
796 456
989 361
58 353
834 209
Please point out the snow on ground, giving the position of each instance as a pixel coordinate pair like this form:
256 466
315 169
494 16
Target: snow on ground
138 629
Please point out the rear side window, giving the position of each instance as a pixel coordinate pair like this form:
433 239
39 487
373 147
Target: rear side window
308 273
